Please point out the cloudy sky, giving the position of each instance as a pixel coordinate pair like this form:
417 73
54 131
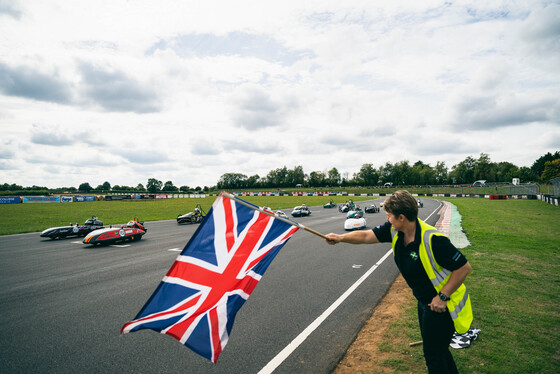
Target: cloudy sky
123 91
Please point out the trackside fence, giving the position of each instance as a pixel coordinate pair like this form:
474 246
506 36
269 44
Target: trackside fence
527 194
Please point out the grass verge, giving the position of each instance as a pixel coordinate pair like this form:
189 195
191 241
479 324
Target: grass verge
514 287
20 218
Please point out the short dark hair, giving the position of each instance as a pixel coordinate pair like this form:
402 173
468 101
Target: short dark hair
402 202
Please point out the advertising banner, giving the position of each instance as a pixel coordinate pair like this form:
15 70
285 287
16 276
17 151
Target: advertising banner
116 197
66 199
10 200
41 199
84 198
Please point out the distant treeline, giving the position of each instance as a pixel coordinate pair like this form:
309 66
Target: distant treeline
401 173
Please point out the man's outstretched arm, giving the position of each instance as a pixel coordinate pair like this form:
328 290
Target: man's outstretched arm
354 237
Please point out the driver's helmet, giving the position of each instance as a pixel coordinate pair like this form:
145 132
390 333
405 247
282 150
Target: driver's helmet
196 210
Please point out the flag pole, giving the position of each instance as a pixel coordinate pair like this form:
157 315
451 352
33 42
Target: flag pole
255 207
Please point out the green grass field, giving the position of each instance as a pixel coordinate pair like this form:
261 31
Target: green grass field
514 287
20 218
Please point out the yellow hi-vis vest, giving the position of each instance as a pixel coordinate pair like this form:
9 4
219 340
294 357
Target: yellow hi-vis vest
459 305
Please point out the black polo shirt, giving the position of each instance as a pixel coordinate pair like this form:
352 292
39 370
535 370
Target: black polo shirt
409 263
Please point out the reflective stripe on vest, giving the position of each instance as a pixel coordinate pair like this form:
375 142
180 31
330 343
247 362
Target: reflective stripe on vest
438 278
459 305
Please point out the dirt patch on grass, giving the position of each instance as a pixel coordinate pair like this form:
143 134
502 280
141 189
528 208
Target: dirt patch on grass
368 353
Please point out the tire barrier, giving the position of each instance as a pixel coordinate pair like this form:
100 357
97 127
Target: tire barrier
550 199
498 197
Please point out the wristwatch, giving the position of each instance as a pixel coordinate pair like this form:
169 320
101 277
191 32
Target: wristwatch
443 296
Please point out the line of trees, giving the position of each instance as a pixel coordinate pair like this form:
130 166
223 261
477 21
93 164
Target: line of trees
400 173
403 173
152 186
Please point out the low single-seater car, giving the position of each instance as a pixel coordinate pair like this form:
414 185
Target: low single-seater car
354 224
301 211
90 225
133 230
192 217
372 208
420 203
357 212
280 213
346 207
329 205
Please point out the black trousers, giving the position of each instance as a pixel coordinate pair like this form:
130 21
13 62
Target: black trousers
437 330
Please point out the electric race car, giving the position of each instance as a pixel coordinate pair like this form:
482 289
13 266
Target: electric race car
301 211
281 213
192 217
357 212
330 204
73 230
346 207
355 223
372 209
132 231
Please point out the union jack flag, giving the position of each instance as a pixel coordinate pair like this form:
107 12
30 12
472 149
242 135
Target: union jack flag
197 300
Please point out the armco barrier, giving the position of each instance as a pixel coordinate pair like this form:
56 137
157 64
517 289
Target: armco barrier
10 199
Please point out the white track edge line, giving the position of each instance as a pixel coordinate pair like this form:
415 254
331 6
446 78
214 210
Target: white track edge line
287 351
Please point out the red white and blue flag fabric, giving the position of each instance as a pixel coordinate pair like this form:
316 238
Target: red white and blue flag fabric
197 300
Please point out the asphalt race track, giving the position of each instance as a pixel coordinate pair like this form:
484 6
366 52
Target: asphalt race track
62 303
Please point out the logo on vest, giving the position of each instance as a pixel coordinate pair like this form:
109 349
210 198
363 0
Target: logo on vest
414 255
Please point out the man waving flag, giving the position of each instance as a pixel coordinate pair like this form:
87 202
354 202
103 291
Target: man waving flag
197 300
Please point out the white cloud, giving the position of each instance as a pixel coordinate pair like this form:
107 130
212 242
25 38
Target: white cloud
34 84
187 91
